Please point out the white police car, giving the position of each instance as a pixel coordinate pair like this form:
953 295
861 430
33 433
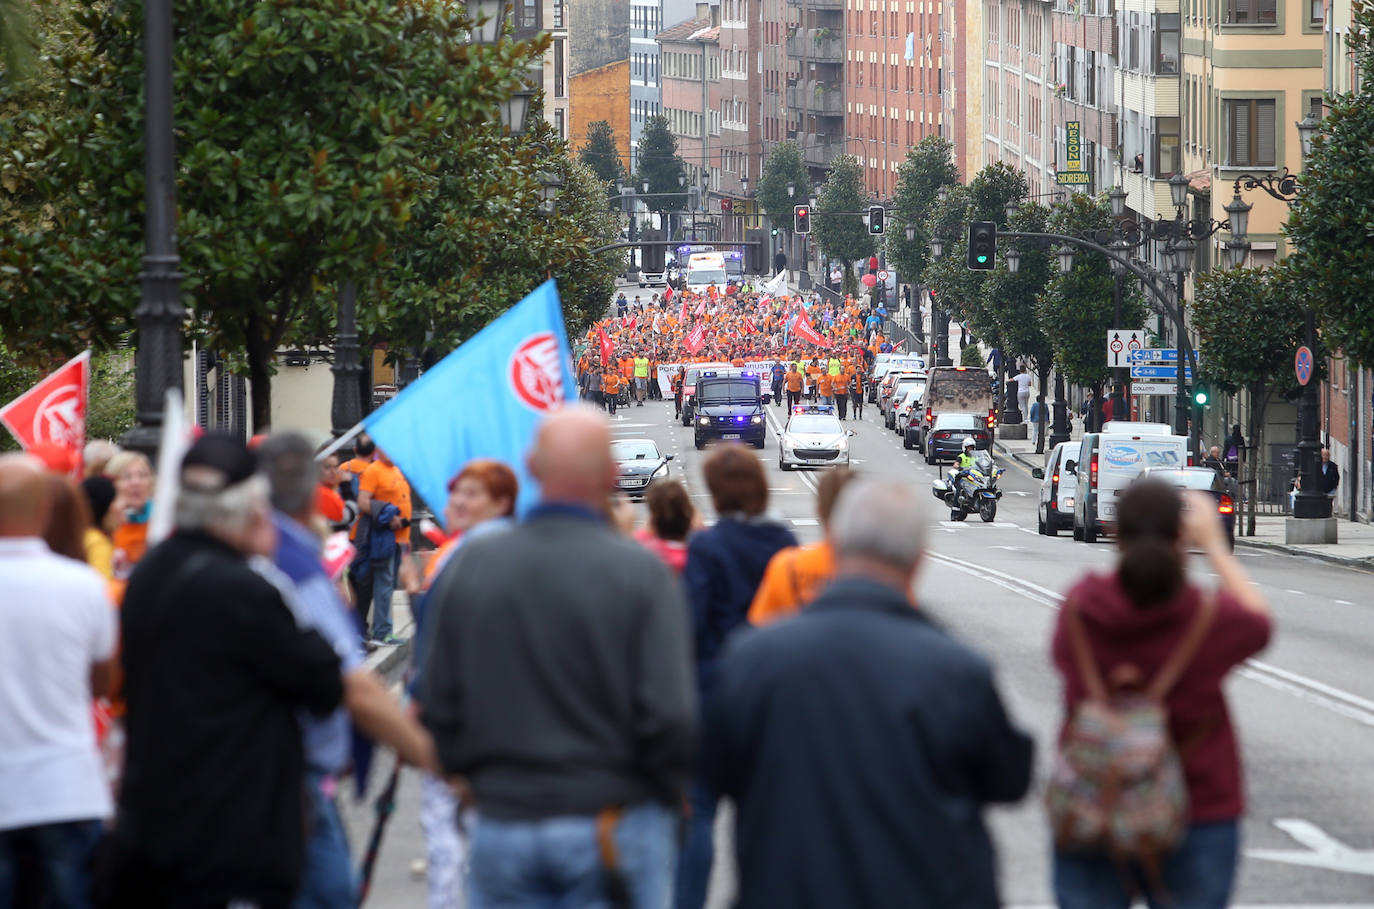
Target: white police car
813 437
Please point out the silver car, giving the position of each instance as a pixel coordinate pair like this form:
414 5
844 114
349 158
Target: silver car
639 464
813 437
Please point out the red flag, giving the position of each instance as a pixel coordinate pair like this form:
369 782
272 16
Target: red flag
701 309
749 326
668 294
607 348
682 314
630 325
54 410
695 340
801 327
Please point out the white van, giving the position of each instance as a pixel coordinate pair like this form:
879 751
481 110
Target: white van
1054 512
704 270
1109 460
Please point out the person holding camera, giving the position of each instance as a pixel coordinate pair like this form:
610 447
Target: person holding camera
384 516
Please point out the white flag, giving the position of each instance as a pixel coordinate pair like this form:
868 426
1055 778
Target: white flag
777 286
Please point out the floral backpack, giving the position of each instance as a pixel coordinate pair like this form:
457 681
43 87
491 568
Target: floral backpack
1117 785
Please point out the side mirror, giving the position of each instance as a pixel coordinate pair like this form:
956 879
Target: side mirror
851 433
670 457
1070 466
1037 473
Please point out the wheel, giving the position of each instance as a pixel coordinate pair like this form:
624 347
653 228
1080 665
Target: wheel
906 442
701 443
1090 532
957 514
928 458
1052 527
1040 526
783 465
760 444
988 511
1077 531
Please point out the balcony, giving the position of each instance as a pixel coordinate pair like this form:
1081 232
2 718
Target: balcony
822 98
821 45
819 152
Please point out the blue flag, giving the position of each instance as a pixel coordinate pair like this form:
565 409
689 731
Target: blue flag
484 400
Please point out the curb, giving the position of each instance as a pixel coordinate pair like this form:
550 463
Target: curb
1357 563
1017 456
384 660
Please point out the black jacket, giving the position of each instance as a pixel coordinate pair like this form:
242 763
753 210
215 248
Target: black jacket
860 742
1331 477
215 670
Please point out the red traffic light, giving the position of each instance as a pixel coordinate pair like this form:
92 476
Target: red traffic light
802 211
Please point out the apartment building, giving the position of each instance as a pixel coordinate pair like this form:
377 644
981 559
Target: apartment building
556 66
960 78
1084 90
816 81
1018 92
778 19
598 62
646 21
690 82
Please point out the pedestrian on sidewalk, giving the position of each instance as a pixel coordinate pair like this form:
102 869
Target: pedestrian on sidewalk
1132 620
383 540
901 782
1023 380
1037 420
725 564
575 755
216 672
56 656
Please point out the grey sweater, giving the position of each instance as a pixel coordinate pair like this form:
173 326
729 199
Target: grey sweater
558 675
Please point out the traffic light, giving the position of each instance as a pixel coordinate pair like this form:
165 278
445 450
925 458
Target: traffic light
802 216
775 231
982 245
1200 395
876 214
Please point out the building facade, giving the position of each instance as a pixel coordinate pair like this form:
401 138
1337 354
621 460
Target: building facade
598 48
1018 95
556 66
690 83
815 97
1084 90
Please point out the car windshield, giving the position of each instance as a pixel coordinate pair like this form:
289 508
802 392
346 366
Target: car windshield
706 276
634 450
737 392
957 421
913 394
815 423
1188 479
905 386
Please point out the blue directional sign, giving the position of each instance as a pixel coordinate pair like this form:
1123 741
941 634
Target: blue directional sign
1159 372
1157 355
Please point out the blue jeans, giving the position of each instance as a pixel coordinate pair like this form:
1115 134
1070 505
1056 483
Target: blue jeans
327 879
554 863
383 586
60 857
1199 874
698 849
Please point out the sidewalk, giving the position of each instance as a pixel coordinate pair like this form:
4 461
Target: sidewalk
385 658
1355 549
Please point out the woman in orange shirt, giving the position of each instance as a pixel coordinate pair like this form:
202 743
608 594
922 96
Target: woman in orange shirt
796 575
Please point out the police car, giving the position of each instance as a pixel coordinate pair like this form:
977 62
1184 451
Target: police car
729 406
813 437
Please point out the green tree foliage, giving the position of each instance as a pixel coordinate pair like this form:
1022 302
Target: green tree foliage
309 136
956 288
928 166
587 282
111 408
1012 301
601 154
1330 223
1076 309
784 166
836 224
18 43
662 166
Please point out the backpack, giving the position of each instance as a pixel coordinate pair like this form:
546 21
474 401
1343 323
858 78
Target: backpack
1117 785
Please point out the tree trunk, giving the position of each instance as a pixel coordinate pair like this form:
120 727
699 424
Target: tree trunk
850 284
1043 398
1096 410
260 382
1250 466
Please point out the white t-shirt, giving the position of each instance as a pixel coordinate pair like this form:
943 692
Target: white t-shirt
1023 382
57 620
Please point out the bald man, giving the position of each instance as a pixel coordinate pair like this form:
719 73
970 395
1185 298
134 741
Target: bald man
576 715
55 656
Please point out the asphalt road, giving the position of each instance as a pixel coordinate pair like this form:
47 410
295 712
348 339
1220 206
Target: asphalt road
1304 708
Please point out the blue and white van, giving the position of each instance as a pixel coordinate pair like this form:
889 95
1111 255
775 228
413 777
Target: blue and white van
1109 460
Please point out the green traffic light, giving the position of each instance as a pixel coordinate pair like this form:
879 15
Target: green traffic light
1200 397
982 258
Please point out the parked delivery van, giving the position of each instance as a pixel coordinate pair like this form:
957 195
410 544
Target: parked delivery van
1109 460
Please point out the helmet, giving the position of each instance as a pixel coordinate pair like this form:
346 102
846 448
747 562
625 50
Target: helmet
968 442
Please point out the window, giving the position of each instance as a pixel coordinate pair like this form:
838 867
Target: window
557 13
1090 85
1251 12
1166 43
1317 11
1167 158
1133 43
560 89
1250 133
529 14
559 122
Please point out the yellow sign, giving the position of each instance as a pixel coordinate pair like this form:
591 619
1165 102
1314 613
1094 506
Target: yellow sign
1072 178
1073 159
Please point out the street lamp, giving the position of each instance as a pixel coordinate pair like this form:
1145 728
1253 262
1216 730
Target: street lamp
1238 213
943 192
791 190
1012 257
549 185
937 247
1117 196
1178 190
489 16
1065 255
910 231
1307 128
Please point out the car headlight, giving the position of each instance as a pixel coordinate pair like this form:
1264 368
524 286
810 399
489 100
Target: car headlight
756 419
704 420
843 443
662 471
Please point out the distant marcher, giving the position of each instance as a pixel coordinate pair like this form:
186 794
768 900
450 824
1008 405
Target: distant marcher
1213 461
725 564
384 541
1133 620
797 575
671 519
95 458
215 674
100 495
575 755
56 655
899 781
132 474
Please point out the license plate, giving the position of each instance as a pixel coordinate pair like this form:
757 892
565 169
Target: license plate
1108 510
729 435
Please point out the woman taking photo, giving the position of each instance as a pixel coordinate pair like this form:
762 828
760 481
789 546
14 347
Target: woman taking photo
1133 620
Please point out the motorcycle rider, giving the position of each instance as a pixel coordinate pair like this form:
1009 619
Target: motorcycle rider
961 467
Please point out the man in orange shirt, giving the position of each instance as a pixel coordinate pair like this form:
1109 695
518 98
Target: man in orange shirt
797 574
384 502
813 370
823 388
610 388
794 386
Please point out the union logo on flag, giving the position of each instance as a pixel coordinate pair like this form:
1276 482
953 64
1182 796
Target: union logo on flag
536 372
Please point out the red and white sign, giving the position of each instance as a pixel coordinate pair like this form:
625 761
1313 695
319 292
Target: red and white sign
695 340
536 374
54 410
338 553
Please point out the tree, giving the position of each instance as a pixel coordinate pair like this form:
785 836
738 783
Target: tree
307 139
587 282
1076 309
784 166
1248 326
928 166
661 166
602 155
18 45
1329 222
837 225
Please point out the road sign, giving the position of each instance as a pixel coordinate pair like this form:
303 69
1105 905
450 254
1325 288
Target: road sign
882 275
1154 388
1120 343
1169 372
1072 178
1302 365
1154 355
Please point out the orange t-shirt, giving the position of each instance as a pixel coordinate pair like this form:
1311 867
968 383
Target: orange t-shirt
386 483
610 383
823 386
794 577
329 504
794 381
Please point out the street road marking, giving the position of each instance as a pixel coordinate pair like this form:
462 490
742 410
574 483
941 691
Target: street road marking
1296 593
1017 492
1336 700
1323 850
804 522
1264 906
1344 603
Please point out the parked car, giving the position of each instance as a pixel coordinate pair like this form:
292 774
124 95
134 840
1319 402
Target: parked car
1054 512
908 405
945 439
1109 460
896 385
1203 479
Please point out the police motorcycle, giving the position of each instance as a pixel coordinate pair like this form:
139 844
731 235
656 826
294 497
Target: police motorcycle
974 489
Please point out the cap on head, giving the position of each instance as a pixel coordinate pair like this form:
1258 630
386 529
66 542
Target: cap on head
217 461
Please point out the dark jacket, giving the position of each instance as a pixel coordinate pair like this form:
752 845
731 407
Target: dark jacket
725 565
215 671
1331 477
557 669
859 742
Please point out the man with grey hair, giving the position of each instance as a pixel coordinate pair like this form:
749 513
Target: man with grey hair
215 673
861 722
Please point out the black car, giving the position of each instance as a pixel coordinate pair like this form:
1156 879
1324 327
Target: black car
730 408
945 439
1203 479
639 464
